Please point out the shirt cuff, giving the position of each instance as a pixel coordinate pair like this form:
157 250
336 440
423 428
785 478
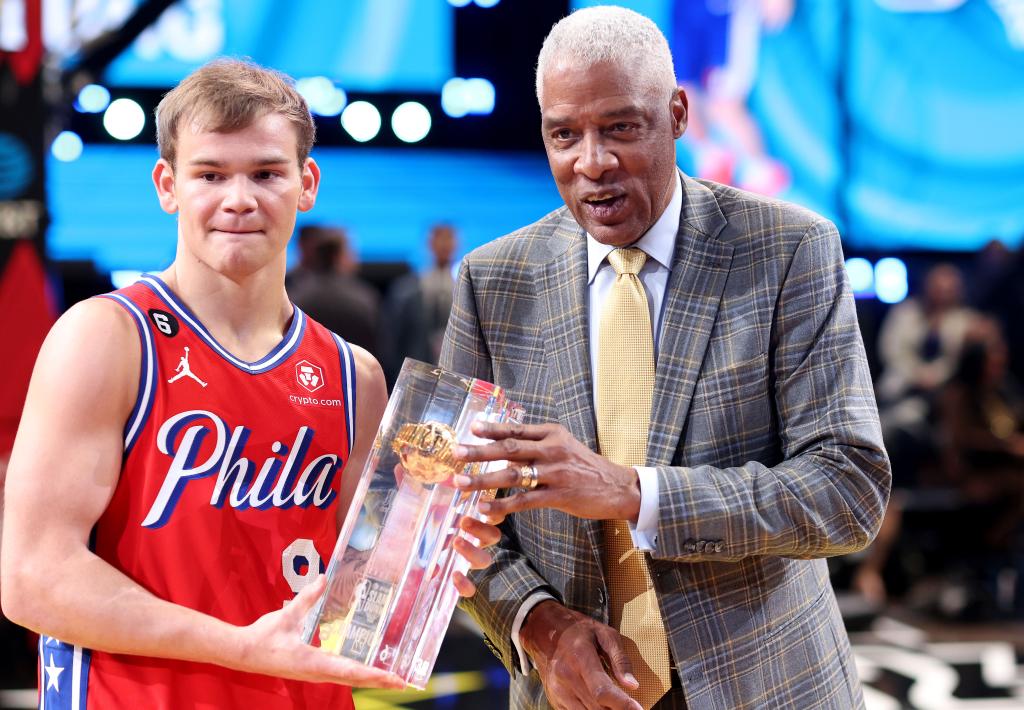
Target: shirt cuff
525 665
645 531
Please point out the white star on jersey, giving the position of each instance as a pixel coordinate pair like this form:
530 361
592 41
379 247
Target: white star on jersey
53 675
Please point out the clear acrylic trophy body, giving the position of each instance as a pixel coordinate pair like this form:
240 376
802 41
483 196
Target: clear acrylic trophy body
389 595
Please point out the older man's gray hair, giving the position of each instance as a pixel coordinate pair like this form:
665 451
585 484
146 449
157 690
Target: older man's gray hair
609 34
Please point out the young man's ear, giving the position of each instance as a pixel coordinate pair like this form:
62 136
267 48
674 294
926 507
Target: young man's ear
163 180
310 185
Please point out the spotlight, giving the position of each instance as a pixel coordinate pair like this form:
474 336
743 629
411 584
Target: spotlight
486 3
362 120
323 97
467 96
411 121
862 277
124 119
67 146
891 280
93 98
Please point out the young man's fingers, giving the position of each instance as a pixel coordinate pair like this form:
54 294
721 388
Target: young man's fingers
465 587
306 598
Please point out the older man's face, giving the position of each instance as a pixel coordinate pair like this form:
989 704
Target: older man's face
610 140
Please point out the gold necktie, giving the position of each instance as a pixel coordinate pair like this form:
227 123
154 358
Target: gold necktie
625 385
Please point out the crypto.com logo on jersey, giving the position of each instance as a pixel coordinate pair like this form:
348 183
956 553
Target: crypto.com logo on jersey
310 376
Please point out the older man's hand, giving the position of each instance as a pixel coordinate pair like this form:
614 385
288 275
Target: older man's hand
581 661
570 477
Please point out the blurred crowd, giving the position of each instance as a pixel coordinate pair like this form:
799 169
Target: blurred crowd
394 311
948 360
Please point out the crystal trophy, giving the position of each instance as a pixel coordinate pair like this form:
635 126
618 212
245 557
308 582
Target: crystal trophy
389 595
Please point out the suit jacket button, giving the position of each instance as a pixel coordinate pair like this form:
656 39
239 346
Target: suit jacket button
690 545
719 546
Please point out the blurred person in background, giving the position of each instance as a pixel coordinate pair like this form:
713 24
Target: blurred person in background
326 285
438 285
919 346
981 425
999 289
417 306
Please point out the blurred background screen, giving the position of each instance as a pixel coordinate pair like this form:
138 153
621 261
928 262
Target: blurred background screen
366 45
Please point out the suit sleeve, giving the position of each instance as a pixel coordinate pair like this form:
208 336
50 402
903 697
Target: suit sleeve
510 580
828 494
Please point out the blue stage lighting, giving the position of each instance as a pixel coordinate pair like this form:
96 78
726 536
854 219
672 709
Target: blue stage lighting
124 119
93 98
323 97
361 120
862 277
411 122
67 146
467 96
891 280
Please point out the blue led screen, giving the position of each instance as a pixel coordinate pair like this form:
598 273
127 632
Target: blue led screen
364 45
386 198
903 126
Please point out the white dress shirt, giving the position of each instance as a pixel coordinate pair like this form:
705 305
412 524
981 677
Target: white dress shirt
659 243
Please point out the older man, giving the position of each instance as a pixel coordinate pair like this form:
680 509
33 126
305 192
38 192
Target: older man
703 430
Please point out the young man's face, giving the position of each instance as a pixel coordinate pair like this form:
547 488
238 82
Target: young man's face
237 194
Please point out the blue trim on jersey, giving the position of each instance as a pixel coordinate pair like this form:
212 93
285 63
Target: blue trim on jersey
147 373
65 685
348 375
289 343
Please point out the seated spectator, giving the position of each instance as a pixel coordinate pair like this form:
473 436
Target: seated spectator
981 423
919 345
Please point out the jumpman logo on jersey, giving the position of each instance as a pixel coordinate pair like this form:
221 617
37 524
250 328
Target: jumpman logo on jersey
185 370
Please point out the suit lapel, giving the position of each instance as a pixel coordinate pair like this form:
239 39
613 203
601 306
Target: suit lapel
700 268
562 290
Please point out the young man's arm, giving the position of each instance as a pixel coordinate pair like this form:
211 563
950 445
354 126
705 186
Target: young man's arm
63 472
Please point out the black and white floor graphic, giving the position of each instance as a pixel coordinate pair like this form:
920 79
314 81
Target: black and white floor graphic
903 669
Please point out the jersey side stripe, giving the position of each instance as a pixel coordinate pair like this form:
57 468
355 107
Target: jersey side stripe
66 685
348 373
282 351
147 373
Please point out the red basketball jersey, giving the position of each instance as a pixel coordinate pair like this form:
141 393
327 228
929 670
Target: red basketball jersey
227 502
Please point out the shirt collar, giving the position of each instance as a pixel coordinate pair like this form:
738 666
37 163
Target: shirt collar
658 242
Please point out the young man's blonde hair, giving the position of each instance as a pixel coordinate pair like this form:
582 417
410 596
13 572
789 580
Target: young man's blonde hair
227 95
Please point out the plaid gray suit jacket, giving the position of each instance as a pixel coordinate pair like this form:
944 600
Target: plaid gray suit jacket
764 432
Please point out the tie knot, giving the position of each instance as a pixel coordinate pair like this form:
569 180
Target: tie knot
627 261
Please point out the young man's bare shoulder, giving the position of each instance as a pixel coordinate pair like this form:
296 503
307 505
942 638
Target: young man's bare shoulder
95 323
95 340
368 371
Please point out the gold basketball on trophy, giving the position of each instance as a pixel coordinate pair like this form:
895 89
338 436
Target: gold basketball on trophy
425 450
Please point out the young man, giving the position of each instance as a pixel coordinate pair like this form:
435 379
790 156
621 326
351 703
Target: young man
189 442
